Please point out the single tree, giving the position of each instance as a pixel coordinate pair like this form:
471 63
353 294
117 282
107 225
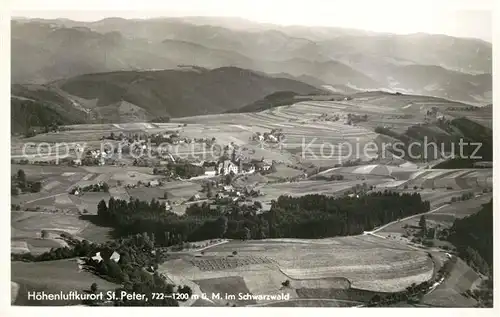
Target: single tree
21 176
93 288
422 222
102 209
423 225
36 187
221 226
209 191
247 235
228 179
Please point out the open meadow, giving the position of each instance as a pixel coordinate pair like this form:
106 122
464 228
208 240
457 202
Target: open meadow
52 277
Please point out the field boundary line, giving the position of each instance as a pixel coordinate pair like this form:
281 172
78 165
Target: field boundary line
41 198
409 217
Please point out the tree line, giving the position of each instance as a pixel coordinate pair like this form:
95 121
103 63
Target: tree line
136 269
310 216
473 238
20 184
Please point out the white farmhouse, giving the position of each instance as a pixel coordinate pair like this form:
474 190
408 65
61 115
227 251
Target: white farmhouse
97 257
272 138
154 183
115 256
209 171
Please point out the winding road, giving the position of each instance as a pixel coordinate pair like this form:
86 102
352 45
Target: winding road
403 219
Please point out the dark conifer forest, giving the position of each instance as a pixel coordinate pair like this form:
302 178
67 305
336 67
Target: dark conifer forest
309 216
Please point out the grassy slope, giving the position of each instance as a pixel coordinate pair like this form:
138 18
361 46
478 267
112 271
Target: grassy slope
34 106
53 277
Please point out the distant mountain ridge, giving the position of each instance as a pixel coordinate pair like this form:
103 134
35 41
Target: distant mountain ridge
442 66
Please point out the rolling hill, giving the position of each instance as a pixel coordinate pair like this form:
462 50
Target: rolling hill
447 135
139 96
37 107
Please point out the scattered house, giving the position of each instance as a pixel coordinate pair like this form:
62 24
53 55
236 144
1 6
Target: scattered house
210 171
167 206
97 257
154 183
77 162
95 153
247 168
174 139
260 166
115 256
221 196
195 197
228 188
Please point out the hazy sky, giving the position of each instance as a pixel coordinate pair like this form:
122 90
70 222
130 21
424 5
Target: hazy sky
464 18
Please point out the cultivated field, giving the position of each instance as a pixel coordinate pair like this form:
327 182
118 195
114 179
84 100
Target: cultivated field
274 190
310 138
361 262
449 293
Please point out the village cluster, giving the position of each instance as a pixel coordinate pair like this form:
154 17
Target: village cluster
216 174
